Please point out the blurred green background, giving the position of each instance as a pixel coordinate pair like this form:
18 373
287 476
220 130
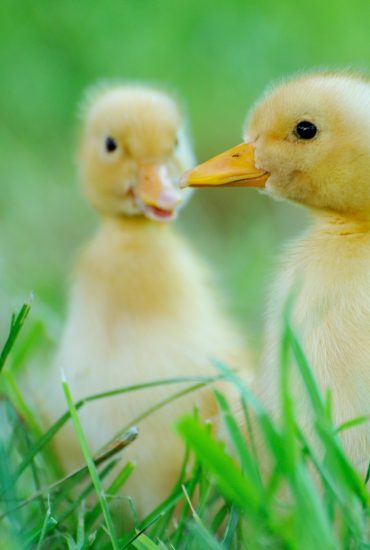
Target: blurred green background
218 56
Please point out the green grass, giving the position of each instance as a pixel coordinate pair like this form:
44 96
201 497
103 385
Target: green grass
307 500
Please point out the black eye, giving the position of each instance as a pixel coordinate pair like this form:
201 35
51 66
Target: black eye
110 144
305 130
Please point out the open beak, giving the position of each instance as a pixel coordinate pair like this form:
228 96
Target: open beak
156 194
233 168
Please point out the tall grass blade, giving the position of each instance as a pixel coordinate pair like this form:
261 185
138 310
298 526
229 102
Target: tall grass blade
92 468
15 328
229 477
249 466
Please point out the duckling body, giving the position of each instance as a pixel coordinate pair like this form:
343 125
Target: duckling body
327 273
141 306
127 326
307 141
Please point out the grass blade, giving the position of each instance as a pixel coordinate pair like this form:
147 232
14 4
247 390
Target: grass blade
249 466
48 519
92 468
15 328
352 423
115 486
144 543
313 391
229 477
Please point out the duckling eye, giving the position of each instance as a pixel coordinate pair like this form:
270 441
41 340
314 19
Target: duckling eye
110 144
305 130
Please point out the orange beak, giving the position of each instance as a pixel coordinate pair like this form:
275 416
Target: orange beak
233 168
156 193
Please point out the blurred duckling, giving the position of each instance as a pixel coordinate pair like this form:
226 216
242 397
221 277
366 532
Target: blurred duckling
141 306
308 141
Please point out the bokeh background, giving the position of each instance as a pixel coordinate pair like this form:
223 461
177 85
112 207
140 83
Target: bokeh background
218 56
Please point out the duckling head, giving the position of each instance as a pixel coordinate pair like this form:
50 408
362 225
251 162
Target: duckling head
308 141
133 151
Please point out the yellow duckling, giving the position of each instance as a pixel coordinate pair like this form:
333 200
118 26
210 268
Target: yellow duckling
308 142
141 307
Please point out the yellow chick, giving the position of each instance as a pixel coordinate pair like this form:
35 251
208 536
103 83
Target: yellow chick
141 307
308 142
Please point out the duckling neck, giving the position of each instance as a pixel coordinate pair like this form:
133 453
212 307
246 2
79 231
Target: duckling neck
136 265
132 224
337 225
